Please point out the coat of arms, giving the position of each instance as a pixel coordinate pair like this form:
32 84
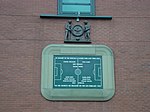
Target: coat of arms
77 32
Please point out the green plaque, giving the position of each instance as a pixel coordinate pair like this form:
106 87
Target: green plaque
77 72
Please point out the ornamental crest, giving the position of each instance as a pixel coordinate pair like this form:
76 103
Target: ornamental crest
77 32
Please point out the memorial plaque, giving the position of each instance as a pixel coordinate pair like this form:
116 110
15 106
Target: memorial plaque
77 71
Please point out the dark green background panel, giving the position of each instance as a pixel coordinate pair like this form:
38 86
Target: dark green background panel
72 71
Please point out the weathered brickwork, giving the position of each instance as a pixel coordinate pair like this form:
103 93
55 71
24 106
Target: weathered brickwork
23 35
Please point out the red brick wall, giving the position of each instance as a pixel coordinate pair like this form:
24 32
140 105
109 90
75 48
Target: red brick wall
23 35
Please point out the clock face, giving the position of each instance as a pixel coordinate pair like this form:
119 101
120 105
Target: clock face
77 30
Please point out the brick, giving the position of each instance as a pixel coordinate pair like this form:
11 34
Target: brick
23 35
